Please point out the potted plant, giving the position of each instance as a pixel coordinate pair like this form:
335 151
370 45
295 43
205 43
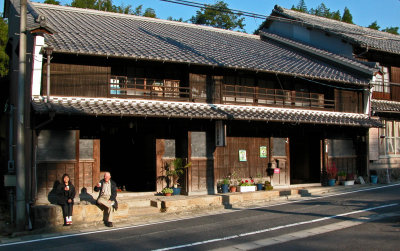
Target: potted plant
349 180
332 172
233 181
341 176
268 186
167 191
259 183
247 186
225 184
177 174
374 177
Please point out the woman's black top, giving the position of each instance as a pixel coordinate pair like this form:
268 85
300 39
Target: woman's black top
63 196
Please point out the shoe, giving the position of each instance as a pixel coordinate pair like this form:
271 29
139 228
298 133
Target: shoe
110 224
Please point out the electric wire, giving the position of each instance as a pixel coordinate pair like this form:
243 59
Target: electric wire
265 17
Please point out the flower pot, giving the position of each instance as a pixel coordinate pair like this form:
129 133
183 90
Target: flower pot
348 182
374 179
259 187
167 194
331 182
177 190
244 189
232 189
225 188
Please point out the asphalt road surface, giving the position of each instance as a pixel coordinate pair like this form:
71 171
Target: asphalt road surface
367 219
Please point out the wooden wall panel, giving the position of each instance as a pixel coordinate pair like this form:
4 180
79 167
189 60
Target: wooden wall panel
227 158
348 101
77 80
373 143
49 176
395 74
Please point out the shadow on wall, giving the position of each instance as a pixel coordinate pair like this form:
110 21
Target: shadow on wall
85 196
52 197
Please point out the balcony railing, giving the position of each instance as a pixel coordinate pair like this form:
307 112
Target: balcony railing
164 89
274 97
148 88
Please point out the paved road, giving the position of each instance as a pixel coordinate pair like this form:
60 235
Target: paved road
359 220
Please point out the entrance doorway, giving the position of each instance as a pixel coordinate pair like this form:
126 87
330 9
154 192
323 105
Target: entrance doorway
130 157
304 159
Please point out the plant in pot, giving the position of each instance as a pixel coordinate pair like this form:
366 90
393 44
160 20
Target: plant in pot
247 186
268 186
233 180
341 176
167 191
259 182
225 184
177 174
349 179
332 172
374 176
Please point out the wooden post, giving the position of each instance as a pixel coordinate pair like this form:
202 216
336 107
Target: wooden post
76 172
96 164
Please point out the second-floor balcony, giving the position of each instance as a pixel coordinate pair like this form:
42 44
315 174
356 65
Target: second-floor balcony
167 89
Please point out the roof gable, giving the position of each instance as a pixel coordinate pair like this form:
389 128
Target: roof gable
361 36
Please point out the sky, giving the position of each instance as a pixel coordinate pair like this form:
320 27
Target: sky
385 12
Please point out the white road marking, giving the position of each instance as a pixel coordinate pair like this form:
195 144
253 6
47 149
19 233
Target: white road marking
304 234
191 217
274 228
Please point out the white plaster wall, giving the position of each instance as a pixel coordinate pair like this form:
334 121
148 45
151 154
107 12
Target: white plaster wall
37 65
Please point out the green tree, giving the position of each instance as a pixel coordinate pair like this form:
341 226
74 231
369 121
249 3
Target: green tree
374 26
3 42
123 9
336 15
347 17
393 30
138 10
174 19
149 12
321 11
301 6
55 2
87 4
218 15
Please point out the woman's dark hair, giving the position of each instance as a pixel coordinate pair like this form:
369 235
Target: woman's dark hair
65 175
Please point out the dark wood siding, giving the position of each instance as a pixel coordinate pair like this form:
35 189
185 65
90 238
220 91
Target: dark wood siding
77 80
227 158
348 101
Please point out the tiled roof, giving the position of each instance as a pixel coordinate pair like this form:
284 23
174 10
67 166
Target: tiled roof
91 32
361 66
379 106
167 109
359 35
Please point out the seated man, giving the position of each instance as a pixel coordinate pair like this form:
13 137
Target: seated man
107 197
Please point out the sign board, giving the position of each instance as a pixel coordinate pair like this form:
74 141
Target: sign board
242 155
263 151
277 170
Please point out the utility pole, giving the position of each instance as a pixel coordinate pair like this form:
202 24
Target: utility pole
21 214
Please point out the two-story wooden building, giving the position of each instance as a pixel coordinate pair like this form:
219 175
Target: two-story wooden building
364 44
127 94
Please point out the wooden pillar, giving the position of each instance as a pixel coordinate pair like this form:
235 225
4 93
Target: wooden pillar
189 178
76 172
96 163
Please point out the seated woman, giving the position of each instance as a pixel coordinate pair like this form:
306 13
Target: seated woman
65 197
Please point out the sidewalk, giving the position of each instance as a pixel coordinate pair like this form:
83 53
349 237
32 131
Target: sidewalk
181 207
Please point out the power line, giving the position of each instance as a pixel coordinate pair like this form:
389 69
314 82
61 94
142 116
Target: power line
264 17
